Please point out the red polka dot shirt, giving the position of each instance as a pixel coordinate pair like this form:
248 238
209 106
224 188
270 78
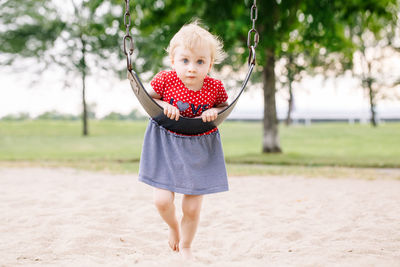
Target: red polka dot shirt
190 103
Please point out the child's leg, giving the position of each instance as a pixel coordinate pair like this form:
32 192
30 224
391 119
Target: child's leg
164 201
191 206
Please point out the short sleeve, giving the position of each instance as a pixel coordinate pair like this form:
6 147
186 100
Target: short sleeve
158 83
222 96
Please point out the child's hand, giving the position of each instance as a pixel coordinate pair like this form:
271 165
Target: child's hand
171 112
209 115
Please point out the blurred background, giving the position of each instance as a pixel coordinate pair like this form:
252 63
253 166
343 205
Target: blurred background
325 92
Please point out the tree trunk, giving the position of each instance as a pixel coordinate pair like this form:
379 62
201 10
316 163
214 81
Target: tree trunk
290 105
84 113
83 70
372 104
290 77
369 80
271 137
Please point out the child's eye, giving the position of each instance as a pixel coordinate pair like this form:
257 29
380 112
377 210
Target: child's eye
185 60
200 61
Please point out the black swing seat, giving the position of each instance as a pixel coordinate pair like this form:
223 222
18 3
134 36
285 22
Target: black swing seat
187 126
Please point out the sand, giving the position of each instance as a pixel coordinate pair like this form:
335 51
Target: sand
67 217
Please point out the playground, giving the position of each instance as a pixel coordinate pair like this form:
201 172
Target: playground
120 190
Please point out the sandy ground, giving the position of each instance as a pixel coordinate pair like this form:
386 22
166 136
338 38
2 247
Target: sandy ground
66 217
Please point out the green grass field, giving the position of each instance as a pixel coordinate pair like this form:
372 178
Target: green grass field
116 145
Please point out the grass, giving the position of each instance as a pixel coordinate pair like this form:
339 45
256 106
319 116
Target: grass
116 145
62 140
331 144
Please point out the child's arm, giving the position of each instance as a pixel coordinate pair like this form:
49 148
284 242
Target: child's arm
169 110
212 113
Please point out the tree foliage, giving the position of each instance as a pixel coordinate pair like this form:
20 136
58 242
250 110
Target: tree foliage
133 115
21 116
373 35
82 37
55 115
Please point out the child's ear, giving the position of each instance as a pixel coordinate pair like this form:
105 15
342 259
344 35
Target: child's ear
211 64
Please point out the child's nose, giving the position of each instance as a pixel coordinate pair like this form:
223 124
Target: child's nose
192 68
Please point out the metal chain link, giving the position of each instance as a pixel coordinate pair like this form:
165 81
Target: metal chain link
128 41
256 38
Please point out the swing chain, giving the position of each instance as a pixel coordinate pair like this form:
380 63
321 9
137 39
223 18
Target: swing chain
128 41
253 17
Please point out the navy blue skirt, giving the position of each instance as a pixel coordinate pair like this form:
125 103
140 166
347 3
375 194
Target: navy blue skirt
190 165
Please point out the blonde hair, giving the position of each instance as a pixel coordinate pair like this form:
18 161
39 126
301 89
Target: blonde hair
193 35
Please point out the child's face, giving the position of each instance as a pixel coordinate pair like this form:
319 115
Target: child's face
192 65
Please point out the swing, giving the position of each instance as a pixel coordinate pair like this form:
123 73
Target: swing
187 126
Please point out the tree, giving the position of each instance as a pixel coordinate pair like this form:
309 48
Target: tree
133 115
297 59
55 115
293 65
292 72
394 44
22 116
80 36
374 37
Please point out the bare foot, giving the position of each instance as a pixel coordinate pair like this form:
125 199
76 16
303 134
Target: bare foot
186 253
174 239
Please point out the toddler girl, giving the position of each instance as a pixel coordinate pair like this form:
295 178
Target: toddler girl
174 163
